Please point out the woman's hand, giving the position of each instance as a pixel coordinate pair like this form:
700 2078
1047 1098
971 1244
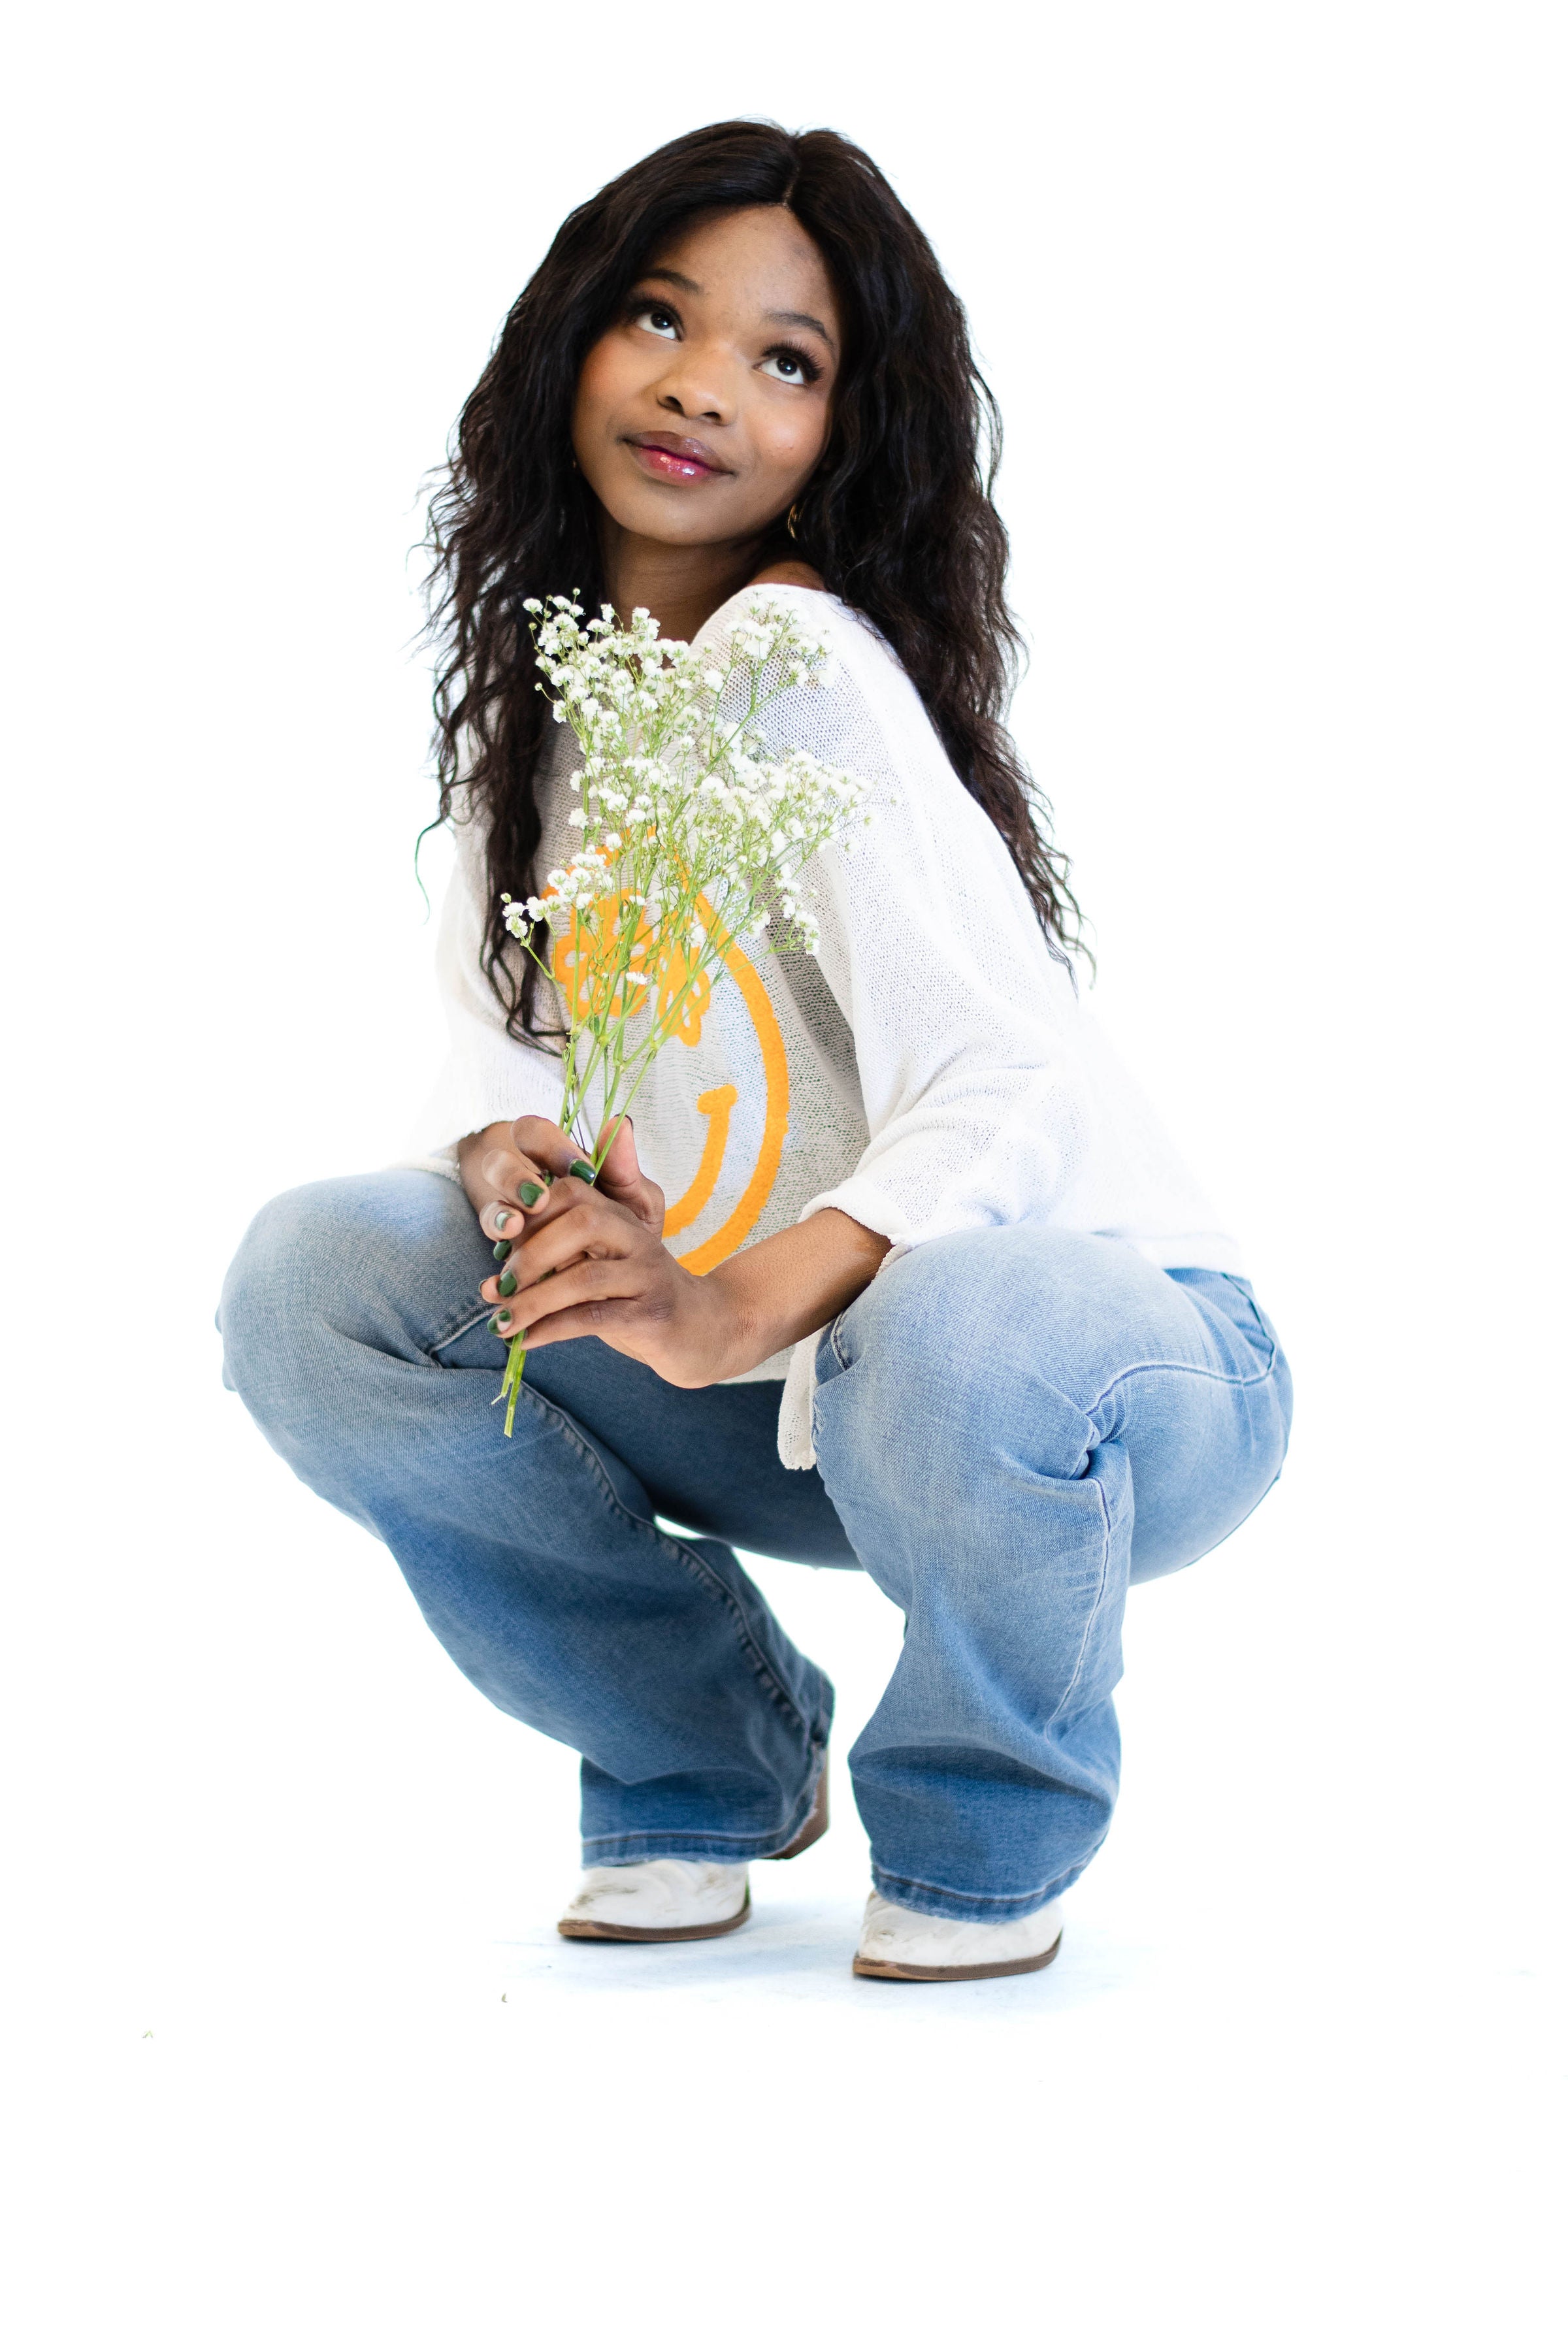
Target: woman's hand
587 1259
508 1171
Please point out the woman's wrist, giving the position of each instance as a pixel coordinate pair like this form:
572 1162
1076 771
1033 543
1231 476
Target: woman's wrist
782 1289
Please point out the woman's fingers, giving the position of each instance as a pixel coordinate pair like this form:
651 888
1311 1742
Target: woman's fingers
617 1149
517 1184
615 1321
569 1193
503 1219
541 1141
588 1290
543 1185
575 1223
513 1176
553 1155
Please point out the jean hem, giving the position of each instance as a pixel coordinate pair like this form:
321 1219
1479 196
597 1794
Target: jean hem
944 1903
655 1845
709 1845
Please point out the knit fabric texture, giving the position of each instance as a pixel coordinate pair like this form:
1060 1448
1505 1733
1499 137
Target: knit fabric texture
931 1070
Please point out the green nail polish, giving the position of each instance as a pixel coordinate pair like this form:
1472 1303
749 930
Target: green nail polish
502 1249
583 1169
507 1285
495 1325
529 1193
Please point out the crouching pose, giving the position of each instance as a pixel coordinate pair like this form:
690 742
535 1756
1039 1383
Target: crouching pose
892 1268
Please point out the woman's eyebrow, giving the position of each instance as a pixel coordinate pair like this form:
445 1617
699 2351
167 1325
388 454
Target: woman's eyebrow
800 319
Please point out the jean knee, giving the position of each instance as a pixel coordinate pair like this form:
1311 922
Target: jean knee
325 1264
283 1277
949 1359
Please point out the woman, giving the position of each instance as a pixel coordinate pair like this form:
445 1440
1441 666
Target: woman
895 1269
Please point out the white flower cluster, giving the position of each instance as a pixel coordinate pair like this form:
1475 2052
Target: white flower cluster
679 800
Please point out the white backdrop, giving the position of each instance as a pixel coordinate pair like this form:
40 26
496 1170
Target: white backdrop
1269 297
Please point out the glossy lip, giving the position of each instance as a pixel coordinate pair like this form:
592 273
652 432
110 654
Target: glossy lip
670 457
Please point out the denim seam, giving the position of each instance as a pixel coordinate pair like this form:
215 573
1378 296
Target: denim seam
690 1560
1257 1314
1198 1371
1060 1707
757 1850
764 1846
457 1330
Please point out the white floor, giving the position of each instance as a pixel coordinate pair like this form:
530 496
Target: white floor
302 2061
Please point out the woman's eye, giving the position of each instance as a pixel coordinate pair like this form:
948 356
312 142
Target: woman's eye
791 367
657 321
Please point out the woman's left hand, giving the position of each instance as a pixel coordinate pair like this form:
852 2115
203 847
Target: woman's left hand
590 1264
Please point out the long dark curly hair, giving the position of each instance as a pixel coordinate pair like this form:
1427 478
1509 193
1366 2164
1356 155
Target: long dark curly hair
898 517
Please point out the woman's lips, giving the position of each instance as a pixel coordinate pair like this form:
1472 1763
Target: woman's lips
668 459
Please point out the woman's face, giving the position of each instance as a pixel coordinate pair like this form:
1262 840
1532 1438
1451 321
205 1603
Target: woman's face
702 410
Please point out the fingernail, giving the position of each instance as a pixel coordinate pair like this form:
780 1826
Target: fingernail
503 1219
502 1249
507 1285
583 1168
503 1322
529 1193
495 1325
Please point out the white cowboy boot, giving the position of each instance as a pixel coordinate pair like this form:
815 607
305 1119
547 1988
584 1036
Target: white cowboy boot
911 1946
668 1901
665 1901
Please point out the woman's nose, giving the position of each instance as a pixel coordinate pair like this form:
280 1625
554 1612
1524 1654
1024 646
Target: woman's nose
700 387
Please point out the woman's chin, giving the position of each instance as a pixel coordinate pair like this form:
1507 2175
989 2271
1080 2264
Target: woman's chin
686 528
685 514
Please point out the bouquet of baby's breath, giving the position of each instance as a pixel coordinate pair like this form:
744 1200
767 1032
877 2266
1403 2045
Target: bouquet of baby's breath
693 835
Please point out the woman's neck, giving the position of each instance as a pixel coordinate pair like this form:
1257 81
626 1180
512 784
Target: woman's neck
681 587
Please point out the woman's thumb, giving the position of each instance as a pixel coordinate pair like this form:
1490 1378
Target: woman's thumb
618 1151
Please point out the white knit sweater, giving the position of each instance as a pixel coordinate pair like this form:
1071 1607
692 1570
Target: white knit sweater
928 1071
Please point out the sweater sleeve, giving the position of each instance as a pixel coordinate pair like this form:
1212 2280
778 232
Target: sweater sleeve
486 1074
962 1019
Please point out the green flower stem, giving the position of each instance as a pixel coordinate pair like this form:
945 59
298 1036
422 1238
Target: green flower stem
511 1379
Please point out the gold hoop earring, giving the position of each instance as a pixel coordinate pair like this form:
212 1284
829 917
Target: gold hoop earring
790 520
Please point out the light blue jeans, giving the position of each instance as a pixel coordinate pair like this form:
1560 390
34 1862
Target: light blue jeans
1011 1426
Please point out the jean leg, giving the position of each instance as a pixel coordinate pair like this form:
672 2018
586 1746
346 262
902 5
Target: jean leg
708 1458
354 1332
989 1411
